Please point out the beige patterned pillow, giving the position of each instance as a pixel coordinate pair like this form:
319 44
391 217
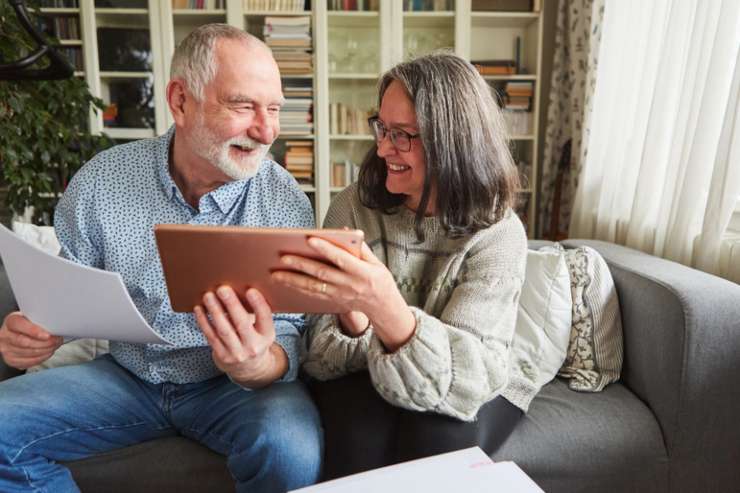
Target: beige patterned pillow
594 357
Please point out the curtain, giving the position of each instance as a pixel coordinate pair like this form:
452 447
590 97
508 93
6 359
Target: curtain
577 35
662 172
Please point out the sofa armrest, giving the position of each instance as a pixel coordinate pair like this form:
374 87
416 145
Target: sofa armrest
7 305
682 355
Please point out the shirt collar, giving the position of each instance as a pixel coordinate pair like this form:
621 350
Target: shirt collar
165 179
224 197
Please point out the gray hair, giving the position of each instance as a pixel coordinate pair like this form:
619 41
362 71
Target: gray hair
465 146
194 61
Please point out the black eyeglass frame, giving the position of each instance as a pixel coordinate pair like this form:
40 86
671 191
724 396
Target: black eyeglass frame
394 133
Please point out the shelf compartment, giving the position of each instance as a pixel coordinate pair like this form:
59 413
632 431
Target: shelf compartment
198 12
351 137
353 19
125 75
58 10
504 19
425 20
129 133
277 13
354 76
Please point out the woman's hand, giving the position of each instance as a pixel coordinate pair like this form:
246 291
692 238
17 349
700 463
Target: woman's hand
355 284
354 324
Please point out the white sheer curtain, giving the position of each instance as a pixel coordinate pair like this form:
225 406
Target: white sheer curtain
662 172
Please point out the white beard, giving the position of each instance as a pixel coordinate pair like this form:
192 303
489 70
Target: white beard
208 147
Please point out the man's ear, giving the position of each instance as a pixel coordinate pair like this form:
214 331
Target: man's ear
177 95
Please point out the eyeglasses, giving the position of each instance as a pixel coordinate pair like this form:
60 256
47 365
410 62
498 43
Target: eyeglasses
400 139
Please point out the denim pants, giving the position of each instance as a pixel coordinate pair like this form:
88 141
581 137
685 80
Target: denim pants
272 437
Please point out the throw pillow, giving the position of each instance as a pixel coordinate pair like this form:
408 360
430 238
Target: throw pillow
74 351
543 318
595 352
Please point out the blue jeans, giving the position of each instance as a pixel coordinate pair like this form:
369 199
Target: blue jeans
272 437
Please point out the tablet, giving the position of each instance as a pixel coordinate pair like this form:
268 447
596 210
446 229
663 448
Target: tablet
197 259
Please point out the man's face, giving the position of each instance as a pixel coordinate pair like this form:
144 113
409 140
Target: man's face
238 119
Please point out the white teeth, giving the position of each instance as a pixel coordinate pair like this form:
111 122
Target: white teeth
397 167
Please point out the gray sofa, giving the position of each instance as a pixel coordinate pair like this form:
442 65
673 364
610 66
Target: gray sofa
672 424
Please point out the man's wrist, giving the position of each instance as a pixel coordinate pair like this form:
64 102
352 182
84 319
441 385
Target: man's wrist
272 366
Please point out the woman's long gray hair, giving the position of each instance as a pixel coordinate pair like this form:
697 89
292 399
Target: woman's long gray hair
465 145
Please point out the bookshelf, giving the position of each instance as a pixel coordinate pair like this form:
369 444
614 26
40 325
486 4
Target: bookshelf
332 77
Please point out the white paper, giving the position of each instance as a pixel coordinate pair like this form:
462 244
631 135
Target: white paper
469 470
70 299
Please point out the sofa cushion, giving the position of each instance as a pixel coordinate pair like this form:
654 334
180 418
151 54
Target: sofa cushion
543 323
166 464
594 357
572 441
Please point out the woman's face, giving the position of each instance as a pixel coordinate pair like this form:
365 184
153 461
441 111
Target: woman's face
406 169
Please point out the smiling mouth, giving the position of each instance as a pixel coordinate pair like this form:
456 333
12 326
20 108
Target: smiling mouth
397 168
243 149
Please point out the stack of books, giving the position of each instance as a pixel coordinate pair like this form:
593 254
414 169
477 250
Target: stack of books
343 173
274 5
74 55
495 67
296 116
344 120
290 41
199 4
518 95
353 4
299 160
61 27
428 5
59 3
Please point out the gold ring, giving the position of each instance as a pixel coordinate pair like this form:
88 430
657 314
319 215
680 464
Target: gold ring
323 288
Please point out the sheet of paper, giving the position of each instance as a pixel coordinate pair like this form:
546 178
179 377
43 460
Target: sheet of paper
70 299
469 470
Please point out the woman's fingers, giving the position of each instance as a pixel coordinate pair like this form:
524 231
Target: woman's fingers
368 255
318 270
305 284
340 257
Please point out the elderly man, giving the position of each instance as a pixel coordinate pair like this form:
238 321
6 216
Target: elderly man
233 392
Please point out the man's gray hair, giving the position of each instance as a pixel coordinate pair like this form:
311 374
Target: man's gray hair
194 61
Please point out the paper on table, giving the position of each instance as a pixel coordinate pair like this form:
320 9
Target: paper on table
70 299
469 470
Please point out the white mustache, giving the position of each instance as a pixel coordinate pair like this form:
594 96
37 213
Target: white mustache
246 142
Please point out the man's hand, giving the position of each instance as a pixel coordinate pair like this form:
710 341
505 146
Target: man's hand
24 344
243 343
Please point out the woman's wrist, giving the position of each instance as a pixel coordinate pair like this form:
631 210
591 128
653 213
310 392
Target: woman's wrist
395 325
353 324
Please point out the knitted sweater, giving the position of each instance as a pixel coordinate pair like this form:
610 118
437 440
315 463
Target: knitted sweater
464 293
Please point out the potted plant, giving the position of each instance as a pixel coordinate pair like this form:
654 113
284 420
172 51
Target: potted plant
44 135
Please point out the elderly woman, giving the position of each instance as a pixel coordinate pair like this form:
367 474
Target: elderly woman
430 307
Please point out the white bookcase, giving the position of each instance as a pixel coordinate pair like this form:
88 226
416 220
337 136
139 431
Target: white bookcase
350 50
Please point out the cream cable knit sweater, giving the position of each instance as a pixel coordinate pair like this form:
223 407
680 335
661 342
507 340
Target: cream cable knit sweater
464 293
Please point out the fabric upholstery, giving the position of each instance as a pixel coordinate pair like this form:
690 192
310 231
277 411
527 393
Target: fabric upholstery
682 341
669 424
594 357
543 324
583 442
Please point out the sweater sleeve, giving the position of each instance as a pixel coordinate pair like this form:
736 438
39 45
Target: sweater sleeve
329 352
455 363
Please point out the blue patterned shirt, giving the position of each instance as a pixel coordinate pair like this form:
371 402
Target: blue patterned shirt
106 218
